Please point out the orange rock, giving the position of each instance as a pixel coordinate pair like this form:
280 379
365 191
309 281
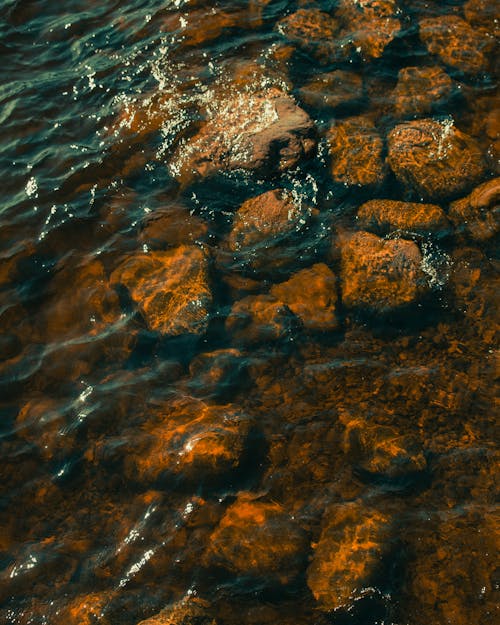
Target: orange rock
456 43
434 159
171 227
260 318
482 14
311 294
216 372
170 288
348 555
259 540
314 31
188 611
200 27
85 610
380 274
419 89
479 213
385 216
369 25
356 153
337 90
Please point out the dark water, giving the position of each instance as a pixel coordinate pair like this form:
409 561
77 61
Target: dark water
345 474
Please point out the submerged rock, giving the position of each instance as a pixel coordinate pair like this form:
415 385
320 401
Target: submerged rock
337 90
419 89
385 216
380 274
311 294
171 227
188 611
348 555
216 372
434 159
356 152
479 213
456 43
262 131
258 540
170 288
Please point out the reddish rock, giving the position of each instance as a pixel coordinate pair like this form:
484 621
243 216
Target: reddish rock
313 31
456 43
170 288
259 540
311 294
171 227
260 318
262 131
434 159
194 441
385 216
380 274
369 25
356 152
348 554
188 611
337 89
479 213
419 89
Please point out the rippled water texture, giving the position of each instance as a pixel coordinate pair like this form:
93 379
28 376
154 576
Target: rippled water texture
248 312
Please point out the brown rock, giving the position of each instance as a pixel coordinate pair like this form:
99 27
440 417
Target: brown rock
200 27
311 295
348 554
260 318
456 43
338 89
314 32
356 153
170 288
479 213
259 540
380 274
171 227
419 89
216 372
482 14
385 216
188 611
434 159
194 442
85 610
370 25
262 131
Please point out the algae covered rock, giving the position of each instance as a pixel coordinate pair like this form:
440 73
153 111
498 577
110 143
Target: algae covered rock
337 90
190 610
385 216
419 89
478 214
170 288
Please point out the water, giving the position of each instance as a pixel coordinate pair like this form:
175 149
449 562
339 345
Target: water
269 466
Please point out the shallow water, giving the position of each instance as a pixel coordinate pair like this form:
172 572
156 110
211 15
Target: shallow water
352 461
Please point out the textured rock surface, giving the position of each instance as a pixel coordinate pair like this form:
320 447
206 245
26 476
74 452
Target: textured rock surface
385 216
188 611
434 159
380 274
348 555
311 294
338 90
419 89
456 43
259 540
171 227
356 152
262 131
170 288
479 213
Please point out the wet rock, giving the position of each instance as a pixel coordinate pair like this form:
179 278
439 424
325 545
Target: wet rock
188 611
170 288
314 32
263 131
456 43
434 159
259 319
200 27
419 89
194 442
337 90
356 153
380 274
217 372
478 214
385 216
348 555
482 14
258 540
85 610
369 26
260 227
171 227
311 294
